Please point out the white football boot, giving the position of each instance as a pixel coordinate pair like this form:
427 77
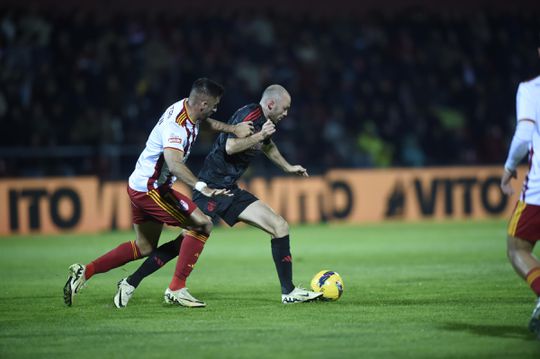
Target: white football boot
124 293
534 323
182 297
76 281
299 295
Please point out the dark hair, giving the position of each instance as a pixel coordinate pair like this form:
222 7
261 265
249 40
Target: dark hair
207 87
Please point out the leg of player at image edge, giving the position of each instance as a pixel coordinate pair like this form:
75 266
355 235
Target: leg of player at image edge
534 323
533 279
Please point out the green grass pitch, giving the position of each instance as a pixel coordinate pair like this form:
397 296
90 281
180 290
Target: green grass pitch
430 290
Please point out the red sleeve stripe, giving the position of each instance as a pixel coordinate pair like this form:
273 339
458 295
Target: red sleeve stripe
252 115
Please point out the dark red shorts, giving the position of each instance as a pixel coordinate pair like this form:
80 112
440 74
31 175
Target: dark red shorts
525 222
161 205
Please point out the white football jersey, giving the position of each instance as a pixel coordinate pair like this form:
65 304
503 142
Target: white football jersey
528 107
174 130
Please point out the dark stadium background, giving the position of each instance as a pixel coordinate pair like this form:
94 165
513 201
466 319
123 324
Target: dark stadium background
374 83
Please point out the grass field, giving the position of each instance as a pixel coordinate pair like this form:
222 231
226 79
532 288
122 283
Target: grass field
433 290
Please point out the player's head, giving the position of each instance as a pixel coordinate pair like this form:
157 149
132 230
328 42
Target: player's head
204 97
275 102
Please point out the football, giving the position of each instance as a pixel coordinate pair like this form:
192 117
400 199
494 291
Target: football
329 283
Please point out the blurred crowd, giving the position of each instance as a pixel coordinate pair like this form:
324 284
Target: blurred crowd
413 88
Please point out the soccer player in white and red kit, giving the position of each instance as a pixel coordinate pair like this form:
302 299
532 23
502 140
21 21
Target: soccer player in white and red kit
153 200
524 226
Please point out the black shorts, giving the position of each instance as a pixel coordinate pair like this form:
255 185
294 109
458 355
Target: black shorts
224 207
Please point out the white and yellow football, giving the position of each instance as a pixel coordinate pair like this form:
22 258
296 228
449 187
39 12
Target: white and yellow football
329 283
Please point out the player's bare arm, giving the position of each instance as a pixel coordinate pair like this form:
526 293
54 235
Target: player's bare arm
236 145
272 152
174 159
240 130
518 149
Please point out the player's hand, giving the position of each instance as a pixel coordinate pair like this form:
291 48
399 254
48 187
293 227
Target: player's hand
268 129
506 186
213 192
243 129
298 170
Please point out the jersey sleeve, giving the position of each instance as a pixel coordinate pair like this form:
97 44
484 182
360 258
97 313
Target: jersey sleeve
235 120
174 136
249 113
525 104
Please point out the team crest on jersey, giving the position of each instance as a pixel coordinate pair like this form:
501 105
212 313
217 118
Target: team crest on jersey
175 139
184 204
211 206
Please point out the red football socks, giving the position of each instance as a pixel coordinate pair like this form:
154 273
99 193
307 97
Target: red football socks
533 279
191 248
126 252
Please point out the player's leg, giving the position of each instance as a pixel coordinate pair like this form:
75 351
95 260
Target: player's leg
146 213
147 236
161 255
176 209
148 224
198 229
520 254
523 232
527 266
260 215
155 260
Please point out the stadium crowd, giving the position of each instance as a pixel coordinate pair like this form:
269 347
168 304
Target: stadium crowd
414 88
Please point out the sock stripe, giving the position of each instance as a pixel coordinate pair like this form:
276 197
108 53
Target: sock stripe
166 206
512 227
135 249
533 275
197 235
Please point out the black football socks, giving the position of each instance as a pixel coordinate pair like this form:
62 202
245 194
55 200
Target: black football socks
281 253
157 259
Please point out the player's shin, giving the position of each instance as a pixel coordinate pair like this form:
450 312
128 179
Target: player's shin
157 259
281 254
190 250
124 253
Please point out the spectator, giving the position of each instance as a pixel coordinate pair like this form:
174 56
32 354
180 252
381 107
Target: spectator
429 88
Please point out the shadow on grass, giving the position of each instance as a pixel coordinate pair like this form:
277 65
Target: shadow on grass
499 331
433 300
